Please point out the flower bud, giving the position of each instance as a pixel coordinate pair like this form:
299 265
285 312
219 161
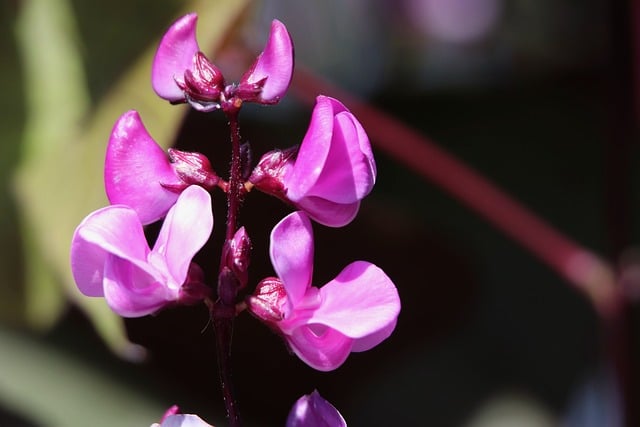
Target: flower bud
237 255
202 84
268 300
193 168
268 175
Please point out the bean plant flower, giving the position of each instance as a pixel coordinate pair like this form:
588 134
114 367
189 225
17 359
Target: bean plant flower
312 410
182 73
330 173
110 256
138 173
353 312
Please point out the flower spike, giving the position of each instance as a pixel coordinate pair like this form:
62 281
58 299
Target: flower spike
110 257
354 312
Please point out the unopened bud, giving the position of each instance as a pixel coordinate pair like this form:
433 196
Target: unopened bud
237 254
193 168
268 175
268 300
203 84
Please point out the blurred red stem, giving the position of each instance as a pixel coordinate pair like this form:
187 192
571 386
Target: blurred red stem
586 271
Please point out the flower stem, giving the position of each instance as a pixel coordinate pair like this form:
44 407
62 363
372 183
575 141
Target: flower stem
223 311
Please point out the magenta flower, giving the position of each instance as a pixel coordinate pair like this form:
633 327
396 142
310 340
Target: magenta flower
332 172
312 410
110 256
354 312
182 420
182 73
138 173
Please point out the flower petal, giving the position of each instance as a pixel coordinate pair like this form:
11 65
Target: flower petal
134 290
291 253
324 349
183 420
112 230
175 54
135 168
328 213
313 410
185 230
275 63
359 302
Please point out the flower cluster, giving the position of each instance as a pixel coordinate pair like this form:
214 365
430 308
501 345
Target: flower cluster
324 179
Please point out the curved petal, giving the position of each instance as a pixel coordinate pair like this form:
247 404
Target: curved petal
275 63
112 230
132 291
368 342
359 302
175 54
328 213
349 171
324 351
185 230
291 252
135 168
313 410
314 149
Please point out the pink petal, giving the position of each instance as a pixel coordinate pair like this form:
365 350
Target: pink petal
183 420
275 63
325 350
185 230
368 342
112 230
174 55
132 291
291 253
359 302
334 163
328 213
314 411
135 168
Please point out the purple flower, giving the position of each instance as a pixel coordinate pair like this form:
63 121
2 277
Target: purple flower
353 312
182 420
182 73
332 172
137 172
110 256
312 410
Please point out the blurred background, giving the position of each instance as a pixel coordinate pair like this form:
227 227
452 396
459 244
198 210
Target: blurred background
537 96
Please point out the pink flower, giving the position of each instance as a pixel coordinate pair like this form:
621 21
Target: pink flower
182 73
110 256
354 312
138 174
312 410
182 420
332 172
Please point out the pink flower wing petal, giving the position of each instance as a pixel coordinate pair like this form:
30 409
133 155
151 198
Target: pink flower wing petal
185 230
368 342
111 230
132 291
359 302
135 167
291 254
323 351
174 55
314 149
328 213
275 63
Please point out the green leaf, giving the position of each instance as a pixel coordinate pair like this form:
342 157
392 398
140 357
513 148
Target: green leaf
60 179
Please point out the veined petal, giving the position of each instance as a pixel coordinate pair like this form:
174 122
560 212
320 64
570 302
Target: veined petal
275 63
291 253
112 230
328 213
134 289
313 410
359 302
135 168
185 230
322 348
175 54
